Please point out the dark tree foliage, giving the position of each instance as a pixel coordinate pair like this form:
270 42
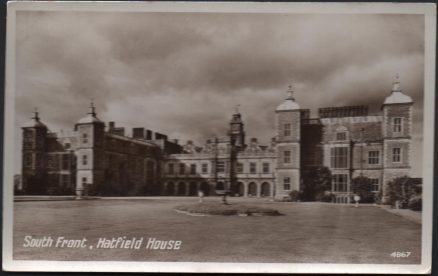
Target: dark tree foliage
363 187
316 181
404 190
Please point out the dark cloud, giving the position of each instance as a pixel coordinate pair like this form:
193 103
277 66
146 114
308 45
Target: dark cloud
183 73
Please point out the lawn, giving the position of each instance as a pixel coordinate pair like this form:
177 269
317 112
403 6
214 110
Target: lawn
307 232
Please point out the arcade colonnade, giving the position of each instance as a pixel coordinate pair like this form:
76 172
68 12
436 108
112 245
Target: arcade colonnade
243 188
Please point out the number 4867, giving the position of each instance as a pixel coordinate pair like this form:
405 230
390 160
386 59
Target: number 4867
397 254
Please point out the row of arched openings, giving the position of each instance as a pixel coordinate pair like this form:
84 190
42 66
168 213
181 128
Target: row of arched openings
180 188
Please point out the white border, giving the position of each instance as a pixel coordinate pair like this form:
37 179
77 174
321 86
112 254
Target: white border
428 9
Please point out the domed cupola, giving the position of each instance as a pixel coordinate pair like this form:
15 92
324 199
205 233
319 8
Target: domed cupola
289 103
397 97
91 117
35 122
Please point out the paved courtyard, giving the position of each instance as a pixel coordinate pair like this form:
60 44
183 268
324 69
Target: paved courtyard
308 232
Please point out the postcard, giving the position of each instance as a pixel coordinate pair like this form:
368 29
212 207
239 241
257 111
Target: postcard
219 137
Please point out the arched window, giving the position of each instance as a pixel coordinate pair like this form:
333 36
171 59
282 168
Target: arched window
252 189
170 188
181 188
220 186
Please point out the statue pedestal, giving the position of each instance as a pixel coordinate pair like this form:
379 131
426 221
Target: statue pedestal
79 193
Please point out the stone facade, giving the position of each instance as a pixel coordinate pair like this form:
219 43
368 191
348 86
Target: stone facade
100 160
89 160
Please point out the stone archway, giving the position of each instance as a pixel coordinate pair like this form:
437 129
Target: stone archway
205 188
193 189
266 189
240 189
170 189
181 188
220 186
252 189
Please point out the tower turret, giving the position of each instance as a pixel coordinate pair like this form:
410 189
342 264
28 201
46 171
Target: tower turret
33 155
397 128
288 130
90 165
237 132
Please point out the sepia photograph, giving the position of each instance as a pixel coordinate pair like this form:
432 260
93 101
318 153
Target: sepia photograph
219 137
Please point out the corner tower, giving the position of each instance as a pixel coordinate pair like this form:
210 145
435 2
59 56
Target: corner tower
288 133
90 154
397 128
33 156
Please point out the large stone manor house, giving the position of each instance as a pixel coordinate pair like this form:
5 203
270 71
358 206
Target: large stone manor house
95 159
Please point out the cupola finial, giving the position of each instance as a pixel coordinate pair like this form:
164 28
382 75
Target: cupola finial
396 83
237 108
290 93
92 108
35 114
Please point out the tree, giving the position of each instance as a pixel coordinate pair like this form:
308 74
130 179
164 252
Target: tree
363 187
316 181
402 189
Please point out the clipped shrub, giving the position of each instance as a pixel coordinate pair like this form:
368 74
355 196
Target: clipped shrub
401 190
363 187
325 196
315 181
415 203
294 195
378 197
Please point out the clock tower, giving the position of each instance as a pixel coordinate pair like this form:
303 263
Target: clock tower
236 132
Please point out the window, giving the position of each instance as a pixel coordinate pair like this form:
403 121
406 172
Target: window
252 167
64 180
139 165
286 157
84 181
150 171
397 124
239 167
84 138
171 168
182 168
339 157
67 145
375 183
38 160
286 183
373 157
193 169
340 183
396 155
84 160
51 161
205 168
27 139
65 161
341 136
266 168
28 160
286 130
220 167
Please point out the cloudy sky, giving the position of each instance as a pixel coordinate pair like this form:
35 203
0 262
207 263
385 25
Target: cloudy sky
183 73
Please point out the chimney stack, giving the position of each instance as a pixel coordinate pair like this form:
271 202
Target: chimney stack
111 125
148 134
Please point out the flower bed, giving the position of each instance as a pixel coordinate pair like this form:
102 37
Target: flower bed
216 208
